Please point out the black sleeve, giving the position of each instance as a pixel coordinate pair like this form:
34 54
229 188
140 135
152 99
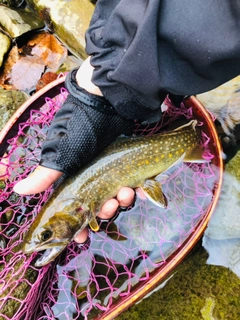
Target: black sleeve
146 48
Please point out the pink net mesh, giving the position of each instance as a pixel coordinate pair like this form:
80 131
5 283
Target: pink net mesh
87 280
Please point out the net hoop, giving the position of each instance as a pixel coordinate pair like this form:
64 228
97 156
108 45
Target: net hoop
159 275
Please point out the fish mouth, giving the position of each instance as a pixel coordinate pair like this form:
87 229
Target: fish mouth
49 255
50 251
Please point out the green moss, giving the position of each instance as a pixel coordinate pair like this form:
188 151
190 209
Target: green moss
233 166
10 101
185 295
207 310
2 185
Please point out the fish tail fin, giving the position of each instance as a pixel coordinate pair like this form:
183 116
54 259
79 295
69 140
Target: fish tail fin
195 155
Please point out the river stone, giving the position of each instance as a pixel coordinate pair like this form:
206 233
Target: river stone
225 222
223 102
10 101
11 3
5 44
69 20
196 291
233 166
19 21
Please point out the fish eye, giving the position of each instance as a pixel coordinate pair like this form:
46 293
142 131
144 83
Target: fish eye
46 235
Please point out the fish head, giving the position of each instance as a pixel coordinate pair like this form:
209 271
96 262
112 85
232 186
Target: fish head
52 236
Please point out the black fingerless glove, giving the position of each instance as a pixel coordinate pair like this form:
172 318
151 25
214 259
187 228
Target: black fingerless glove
84 126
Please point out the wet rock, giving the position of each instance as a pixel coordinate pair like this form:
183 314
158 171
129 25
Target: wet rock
223 102
19 21
10 101
225 222
233 166
222 236
195 291
12 3
5 44
71 62
68 19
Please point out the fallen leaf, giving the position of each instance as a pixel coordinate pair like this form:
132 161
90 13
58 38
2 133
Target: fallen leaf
49 49
26 65
46 78
13 57
26 72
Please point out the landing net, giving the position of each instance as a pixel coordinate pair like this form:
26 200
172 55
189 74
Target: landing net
87 280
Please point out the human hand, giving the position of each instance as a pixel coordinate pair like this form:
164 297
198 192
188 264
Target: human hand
70 142
43 177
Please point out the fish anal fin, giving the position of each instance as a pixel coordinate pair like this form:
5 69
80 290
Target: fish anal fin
195 155
153 191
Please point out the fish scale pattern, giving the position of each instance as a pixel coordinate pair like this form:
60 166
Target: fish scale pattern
87 280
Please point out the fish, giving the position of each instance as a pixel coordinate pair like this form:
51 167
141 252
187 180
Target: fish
130 161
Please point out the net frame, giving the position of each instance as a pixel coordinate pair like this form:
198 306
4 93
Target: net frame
157 276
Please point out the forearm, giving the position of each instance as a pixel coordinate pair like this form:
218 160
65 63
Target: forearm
163 46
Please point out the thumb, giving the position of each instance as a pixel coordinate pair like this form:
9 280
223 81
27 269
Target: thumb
37 181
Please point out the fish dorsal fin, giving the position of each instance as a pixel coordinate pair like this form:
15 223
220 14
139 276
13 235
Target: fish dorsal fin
153 191
191 123
195 155
93 222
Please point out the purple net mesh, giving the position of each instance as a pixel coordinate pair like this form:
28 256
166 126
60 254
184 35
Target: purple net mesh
86 280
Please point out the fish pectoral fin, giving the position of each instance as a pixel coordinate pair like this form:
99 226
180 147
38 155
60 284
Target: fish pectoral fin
153 191
195 155
94 224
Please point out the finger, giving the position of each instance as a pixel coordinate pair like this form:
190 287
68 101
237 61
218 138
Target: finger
82 236
125 196
141 194
108 209
37 181
3 166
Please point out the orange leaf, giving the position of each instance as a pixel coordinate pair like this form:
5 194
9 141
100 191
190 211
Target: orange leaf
49 49
26 73
46 78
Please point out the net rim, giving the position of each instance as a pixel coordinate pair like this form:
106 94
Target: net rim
143 288
160 274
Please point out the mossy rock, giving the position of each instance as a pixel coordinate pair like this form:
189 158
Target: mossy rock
5 44
10 101
233 166
68 19
196 291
